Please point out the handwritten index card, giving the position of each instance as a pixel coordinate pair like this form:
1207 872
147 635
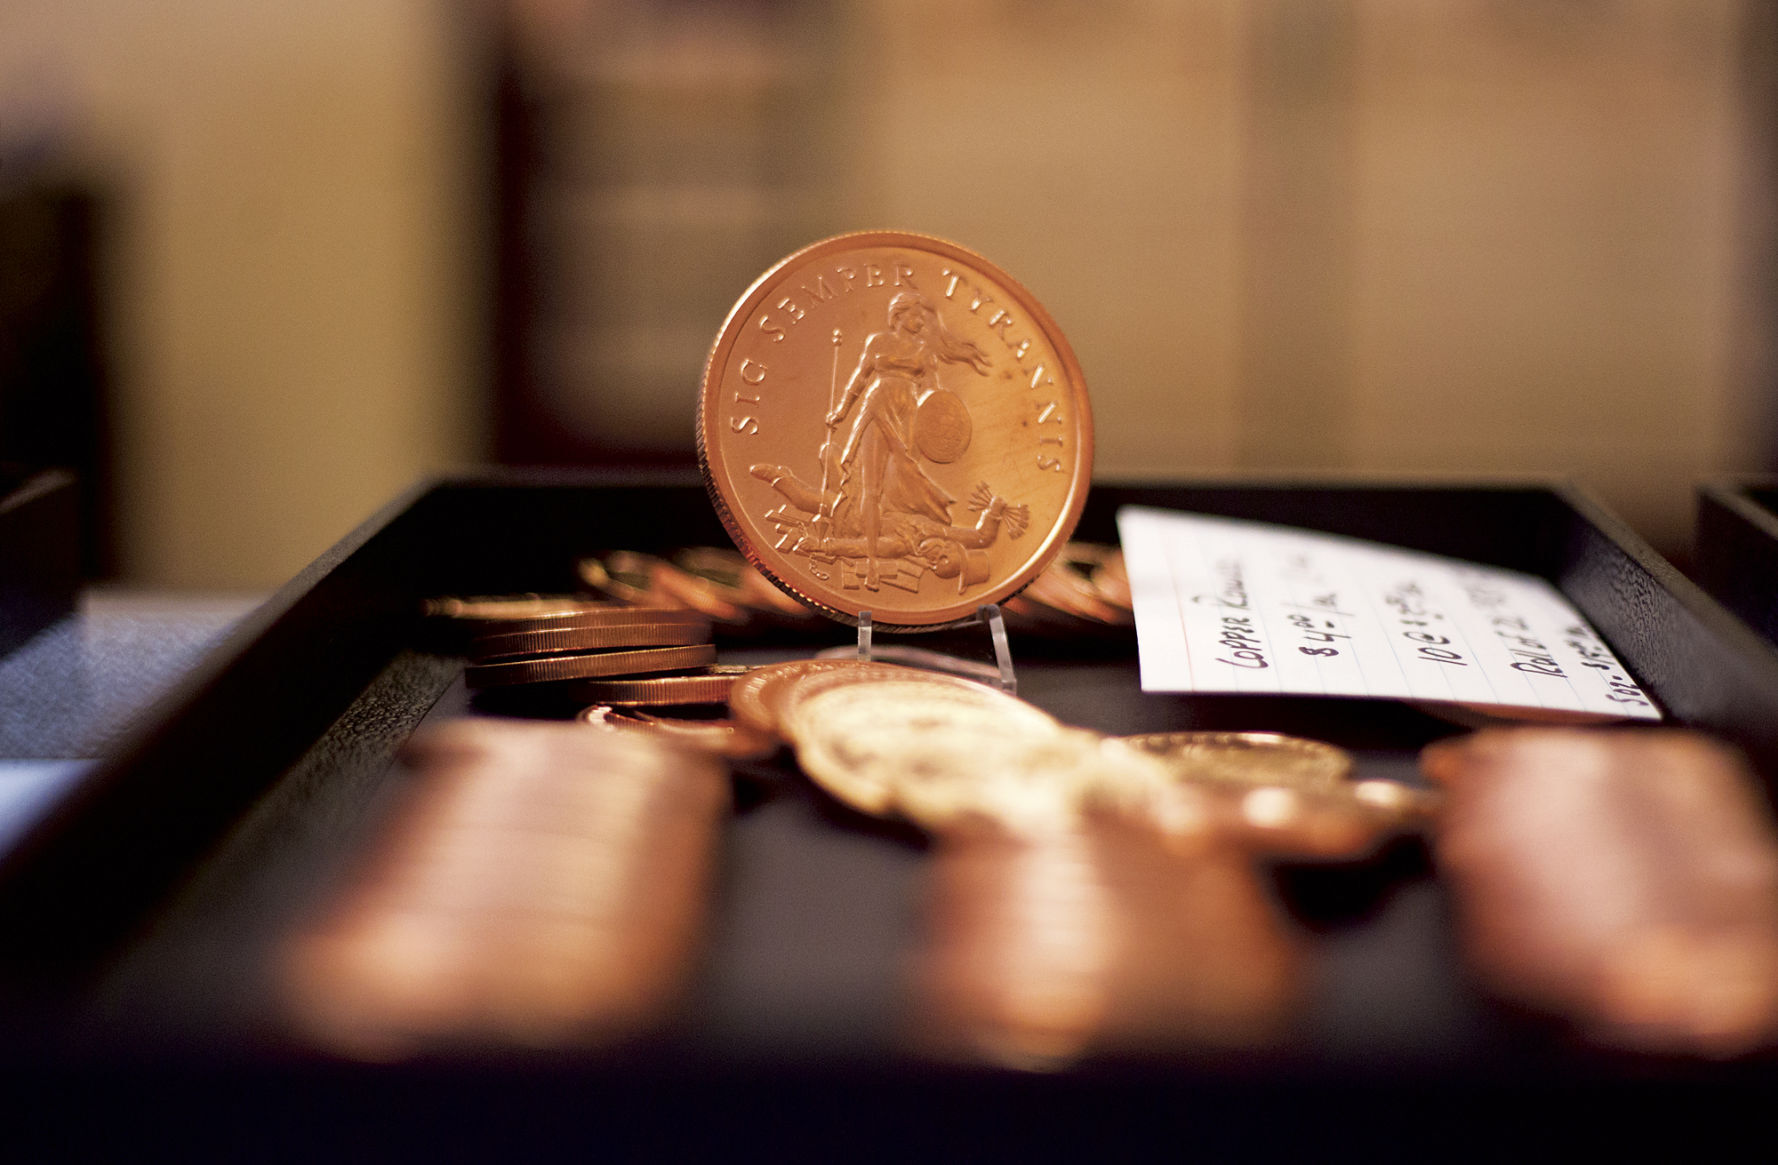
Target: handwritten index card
1224 605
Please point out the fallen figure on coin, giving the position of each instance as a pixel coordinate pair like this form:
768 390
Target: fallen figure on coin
1626 881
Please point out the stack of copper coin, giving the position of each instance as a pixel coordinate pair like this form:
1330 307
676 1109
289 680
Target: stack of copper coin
586 642
679 709
720 585
1085 590
540 886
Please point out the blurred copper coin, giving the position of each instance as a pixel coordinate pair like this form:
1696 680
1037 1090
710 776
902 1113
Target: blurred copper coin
1067 590
542 886
1329 824
554 668
1026 783
679 633
881 744
757 697
708 685
635 577
740 582
1281 795
504 607
1103 567
1248 758
1043 949
724 738
1624 880
913 698
580 615
890 423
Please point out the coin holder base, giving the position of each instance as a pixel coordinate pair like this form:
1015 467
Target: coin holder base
1000 673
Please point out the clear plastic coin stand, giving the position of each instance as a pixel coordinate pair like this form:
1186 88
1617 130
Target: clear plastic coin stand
998 673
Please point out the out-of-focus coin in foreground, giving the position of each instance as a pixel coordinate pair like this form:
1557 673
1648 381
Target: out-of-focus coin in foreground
1043 949
678 633
1624 880
1248 758
890 423
740 582
541 886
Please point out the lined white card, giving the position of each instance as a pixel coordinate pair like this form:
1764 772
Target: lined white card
1224 605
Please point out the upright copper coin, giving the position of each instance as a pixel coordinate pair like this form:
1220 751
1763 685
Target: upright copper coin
890 423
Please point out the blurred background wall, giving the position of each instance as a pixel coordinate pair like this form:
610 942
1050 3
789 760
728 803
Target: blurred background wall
345 243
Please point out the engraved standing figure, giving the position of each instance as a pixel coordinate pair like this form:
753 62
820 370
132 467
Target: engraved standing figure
879 468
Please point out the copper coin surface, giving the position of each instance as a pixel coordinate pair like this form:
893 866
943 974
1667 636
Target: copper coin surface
566 640
890 423
578 615
552 668
706 686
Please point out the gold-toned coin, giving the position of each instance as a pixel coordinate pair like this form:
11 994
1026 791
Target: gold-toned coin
890 423
1248 758
563 640
1027 783
710 685
757 699
555 668
724 738
866 740
914 697
1301 806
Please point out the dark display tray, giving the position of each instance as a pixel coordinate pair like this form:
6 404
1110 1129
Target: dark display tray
137 920
1735 551
39 551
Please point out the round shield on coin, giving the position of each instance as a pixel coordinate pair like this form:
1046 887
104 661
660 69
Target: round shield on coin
942 427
